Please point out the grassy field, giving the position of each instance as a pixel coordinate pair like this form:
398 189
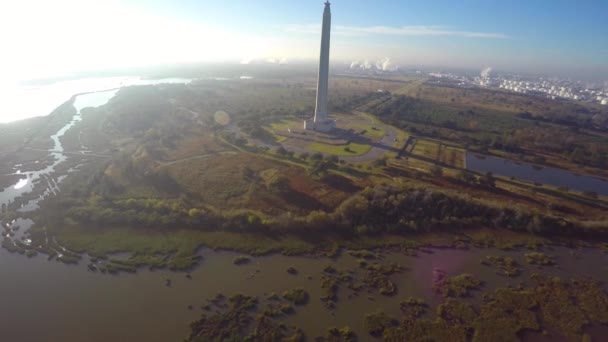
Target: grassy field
426 148
452 156
412 88
351 149
371 131
284 124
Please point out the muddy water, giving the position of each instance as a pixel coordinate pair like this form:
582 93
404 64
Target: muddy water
44 300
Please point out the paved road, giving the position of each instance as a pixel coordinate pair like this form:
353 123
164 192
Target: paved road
377 150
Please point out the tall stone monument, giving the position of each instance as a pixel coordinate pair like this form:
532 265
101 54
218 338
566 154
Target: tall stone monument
321 122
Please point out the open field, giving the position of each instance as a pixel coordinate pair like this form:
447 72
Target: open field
522 127
426 149
350 149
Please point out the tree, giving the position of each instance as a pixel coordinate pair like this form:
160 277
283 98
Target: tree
247 172
279 184
466 176
379 162
333 159
590 194
488 180
436 170
281 151
316 156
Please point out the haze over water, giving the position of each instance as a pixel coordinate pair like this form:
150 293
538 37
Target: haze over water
21 101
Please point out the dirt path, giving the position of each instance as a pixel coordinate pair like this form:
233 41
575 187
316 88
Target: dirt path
77 153
200 156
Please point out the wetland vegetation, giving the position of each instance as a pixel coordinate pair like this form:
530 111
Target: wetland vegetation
184 167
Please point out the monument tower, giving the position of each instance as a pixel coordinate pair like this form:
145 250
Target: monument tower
321 122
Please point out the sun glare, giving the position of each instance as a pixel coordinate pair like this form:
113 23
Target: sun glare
105 35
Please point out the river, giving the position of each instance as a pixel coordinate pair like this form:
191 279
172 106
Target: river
49 301
92 99
25 101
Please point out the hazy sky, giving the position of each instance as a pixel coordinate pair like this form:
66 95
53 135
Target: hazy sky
43 38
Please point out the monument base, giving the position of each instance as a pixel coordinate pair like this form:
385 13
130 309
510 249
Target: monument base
309 124
325 125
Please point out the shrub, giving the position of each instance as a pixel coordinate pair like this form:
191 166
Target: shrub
297 296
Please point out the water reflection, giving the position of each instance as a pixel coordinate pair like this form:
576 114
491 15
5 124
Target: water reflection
529 172
21 183
45 176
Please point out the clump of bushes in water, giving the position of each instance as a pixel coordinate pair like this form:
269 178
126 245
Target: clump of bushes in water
507 265
413 307
297 296
514 309
10 246
453 323
375 323
456 286
538 258
565 308
116 266
242 301
280 310
17 246
241 260
234 321
376 277
329 285
338 335
362 254
331 279
68 258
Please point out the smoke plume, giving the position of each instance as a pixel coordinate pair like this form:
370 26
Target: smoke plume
485 73
385 64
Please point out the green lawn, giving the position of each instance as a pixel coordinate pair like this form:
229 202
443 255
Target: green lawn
374 134
278 138
283 125
354 149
